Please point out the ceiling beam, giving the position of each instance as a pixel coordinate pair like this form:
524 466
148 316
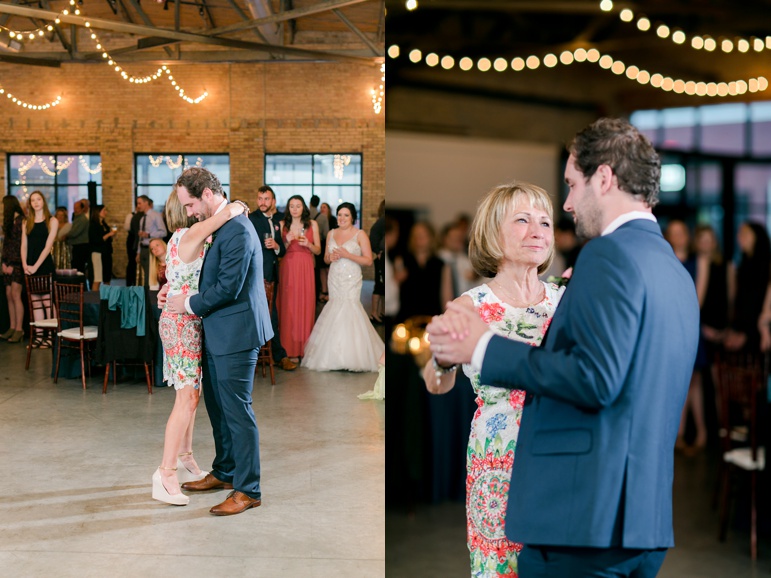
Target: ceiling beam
149 31
375 50
325 6
146 19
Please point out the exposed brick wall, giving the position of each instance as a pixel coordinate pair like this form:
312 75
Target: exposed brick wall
252 109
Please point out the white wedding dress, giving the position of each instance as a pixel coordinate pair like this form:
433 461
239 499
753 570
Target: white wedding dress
343 337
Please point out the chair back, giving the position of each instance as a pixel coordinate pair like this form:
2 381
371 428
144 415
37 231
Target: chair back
740 386
69 304
40 285
269 290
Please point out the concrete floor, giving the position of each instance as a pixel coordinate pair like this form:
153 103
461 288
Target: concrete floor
431 541
75 497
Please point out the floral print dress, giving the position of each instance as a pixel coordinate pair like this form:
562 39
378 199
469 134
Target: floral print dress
181 333
494 431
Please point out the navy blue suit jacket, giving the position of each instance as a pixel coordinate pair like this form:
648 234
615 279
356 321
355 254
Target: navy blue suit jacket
594 459
231 299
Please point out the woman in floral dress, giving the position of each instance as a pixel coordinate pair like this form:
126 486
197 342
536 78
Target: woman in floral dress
181 336
512 242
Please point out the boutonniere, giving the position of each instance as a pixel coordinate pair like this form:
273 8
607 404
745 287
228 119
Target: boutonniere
208 243
562 280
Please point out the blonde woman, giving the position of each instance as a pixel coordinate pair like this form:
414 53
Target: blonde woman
157 272
181 336
512 242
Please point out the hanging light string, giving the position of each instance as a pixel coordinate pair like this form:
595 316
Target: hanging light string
726 43
163 70
180 162
24 167
28 105
109 60
377 93
594 56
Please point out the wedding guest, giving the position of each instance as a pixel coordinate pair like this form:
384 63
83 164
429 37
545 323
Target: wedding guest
428 283
157 273
100 236
78 239
678 236
151 226
512 242
61 251
13 272
327 221
377 242
37 240
296 287
131 226
748 281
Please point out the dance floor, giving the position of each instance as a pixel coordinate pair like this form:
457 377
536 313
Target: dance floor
76 496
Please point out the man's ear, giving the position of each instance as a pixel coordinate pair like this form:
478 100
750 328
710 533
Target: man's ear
207 194
606 180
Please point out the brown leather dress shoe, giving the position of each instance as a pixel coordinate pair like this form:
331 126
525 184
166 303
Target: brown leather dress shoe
236 503
287 364
208 483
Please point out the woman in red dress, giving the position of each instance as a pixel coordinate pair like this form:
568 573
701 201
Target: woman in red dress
296 284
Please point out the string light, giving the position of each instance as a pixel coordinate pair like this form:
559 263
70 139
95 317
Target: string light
379 93
679 37
24 104
632 72
24 167
338 164
411 5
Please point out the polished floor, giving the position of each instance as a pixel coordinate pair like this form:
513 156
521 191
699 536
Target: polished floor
430 540
75 497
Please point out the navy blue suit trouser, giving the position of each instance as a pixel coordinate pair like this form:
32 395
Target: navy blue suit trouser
227 392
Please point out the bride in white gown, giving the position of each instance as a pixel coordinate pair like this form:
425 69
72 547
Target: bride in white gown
343 337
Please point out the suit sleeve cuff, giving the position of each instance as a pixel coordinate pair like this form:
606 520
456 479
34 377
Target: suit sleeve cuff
478 357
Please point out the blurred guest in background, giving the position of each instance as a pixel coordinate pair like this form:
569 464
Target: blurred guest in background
455 256
748 282
327 221
131 226
13 272
427 286
151 226
100 235
78 238
678 236
61 251
377 242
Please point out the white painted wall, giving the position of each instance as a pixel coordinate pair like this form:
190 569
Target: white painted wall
446 175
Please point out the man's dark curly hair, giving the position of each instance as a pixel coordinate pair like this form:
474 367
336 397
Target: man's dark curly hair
618 144
196 179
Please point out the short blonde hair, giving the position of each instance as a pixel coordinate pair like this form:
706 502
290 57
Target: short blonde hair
176 213
485 243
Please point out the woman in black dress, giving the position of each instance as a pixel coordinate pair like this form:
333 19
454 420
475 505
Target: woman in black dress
37 240
100 236
13 273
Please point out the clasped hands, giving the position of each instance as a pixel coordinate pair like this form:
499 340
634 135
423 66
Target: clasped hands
455 334
174 304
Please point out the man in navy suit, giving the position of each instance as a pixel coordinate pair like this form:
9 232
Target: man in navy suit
267 223
591 488
236 323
